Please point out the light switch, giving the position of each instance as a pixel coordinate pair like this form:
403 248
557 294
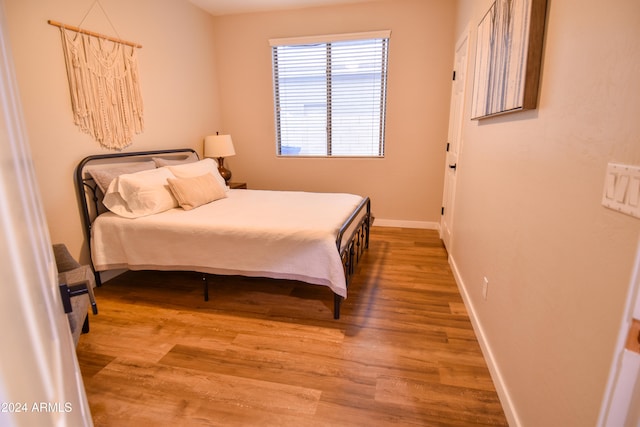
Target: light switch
634 192
622 189
610 185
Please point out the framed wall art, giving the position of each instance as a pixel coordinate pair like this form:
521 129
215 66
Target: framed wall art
508 57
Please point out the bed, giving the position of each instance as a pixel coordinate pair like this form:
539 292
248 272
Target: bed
168 210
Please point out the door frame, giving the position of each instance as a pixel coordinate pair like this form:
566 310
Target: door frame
39 364
620 406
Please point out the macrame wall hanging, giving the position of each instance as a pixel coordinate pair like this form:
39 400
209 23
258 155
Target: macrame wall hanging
104 84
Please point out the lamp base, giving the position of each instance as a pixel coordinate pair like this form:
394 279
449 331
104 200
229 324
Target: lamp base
224 172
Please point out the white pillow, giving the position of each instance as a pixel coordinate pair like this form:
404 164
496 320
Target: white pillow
104 175
198 168
160 161
140 194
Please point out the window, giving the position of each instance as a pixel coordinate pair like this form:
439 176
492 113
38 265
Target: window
330 94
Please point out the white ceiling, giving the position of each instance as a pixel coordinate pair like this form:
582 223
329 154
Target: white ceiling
229 7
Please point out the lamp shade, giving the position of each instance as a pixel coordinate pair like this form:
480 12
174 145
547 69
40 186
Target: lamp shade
218 146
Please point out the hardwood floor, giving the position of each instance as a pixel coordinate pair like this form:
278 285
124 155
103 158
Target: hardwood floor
266 352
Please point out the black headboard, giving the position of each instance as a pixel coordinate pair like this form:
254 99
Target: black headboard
89 197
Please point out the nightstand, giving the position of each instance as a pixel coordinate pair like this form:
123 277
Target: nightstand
237 185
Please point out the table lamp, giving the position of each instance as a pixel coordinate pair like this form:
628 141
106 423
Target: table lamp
218 147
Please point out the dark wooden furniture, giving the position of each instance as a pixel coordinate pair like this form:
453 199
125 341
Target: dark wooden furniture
237 185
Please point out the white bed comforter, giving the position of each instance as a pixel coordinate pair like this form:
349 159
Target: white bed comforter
277 234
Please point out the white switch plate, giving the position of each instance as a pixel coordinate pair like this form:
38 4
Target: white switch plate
622 189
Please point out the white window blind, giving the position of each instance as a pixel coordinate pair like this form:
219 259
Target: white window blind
330 94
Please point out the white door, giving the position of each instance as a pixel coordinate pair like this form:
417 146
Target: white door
456 113
621 404
40 383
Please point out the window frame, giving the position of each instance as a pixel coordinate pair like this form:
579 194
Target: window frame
326 42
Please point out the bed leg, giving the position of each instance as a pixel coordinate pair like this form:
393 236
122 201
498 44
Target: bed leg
96 275
206 287
337 299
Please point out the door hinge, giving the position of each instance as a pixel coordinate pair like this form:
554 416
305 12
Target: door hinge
442 210
454 75
448 147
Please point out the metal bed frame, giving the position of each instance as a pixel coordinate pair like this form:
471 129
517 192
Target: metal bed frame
357 241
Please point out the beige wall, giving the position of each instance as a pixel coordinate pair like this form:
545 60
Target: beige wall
178 79
405 186
528 214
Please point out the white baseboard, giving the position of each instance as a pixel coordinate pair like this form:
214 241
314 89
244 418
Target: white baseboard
380 222
503 393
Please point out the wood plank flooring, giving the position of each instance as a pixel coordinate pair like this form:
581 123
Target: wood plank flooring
267 352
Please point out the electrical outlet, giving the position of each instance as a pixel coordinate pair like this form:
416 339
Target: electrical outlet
485 288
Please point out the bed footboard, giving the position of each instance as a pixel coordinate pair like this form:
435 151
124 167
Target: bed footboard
359 224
